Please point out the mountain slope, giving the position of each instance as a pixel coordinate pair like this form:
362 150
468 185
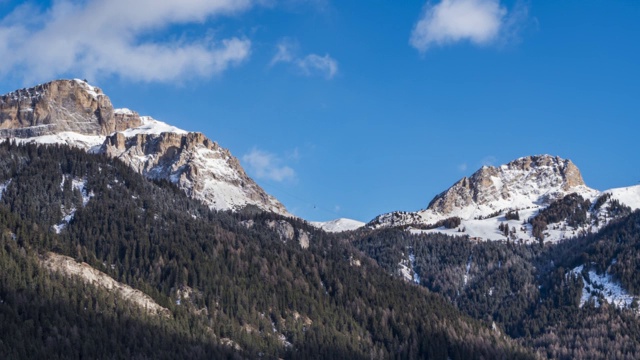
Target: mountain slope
507 197
576 298
223 275
338 225
74 113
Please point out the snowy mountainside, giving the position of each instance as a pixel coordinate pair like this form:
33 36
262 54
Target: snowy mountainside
481 204
199 166
629 196
598 288
338 225
75 113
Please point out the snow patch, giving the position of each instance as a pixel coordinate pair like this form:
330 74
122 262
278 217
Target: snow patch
89 143
4 186
152 126
629 196
338 225
602 286
407 268
123 111
81 185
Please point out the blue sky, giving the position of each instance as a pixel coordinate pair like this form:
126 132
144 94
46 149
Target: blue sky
356 108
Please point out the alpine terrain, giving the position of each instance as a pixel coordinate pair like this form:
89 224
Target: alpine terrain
77 114
125 237
496 203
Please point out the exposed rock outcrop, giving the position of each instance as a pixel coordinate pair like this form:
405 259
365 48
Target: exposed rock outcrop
89 275
199 166
541 179
59 106
74 113
525 183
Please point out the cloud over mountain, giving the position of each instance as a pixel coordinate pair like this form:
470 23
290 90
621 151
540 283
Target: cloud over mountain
101 38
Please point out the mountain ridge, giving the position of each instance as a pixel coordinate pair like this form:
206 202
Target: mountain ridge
492 197
75 113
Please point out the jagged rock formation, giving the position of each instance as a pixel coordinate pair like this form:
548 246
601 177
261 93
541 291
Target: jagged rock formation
520 183
479 204
83 271
60 106
75 113
199 166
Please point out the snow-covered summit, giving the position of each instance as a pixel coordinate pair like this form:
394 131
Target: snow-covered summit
629 196
338 225
151 126
75 113
526 185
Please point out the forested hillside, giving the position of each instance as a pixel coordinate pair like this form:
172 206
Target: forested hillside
547 297
233 287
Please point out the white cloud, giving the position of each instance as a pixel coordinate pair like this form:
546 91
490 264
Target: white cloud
265 165
96 38
482 22
309 65
322 65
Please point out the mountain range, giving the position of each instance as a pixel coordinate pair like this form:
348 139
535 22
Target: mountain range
124 236
77 114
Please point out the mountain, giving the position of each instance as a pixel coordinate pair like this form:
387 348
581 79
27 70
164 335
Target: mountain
493 198
74 113
141 271
338 225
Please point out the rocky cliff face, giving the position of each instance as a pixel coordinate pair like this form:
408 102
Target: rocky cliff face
535 179
527 183
75 113
199 166
61 106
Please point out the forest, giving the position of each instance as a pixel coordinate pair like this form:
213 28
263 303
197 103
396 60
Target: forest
235 288
232 286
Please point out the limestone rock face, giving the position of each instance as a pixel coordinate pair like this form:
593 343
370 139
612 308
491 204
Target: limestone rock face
199 166
74 113
540 179
61 106
89 275
526 183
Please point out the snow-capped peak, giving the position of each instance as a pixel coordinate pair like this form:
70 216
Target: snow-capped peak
75 113
338 225
494 198
151 126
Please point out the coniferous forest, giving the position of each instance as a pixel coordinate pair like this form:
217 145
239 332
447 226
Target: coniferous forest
232 286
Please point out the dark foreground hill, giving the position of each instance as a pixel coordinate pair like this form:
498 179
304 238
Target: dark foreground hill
234 285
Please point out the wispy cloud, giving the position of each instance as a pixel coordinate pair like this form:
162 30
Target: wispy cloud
96 38
265 165
489 160
481 22
463 167
309 65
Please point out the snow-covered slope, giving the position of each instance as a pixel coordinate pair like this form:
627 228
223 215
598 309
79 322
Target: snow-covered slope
74 113
199 166
526 185
338 225
602 287
629 196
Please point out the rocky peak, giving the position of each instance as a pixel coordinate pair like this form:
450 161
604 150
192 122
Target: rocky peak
533 180
74 113
199 166
60 106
